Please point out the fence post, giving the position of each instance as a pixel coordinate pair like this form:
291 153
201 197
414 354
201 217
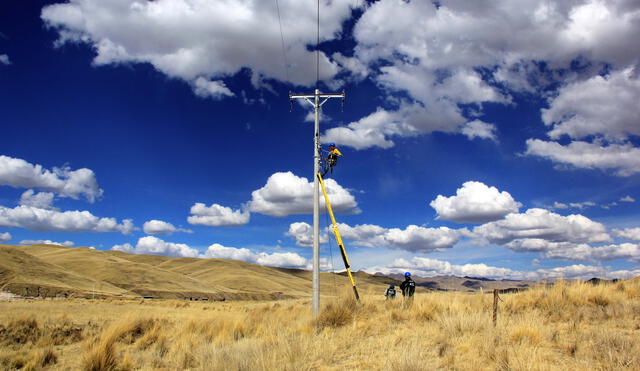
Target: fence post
495 307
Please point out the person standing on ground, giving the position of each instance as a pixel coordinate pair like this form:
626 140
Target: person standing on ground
408 286
390 293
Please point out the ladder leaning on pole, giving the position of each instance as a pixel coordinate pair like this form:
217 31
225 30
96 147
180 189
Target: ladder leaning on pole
336 232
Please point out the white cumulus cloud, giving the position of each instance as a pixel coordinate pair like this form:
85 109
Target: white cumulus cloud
600 114
4 59
276 259
624 159
46 242
425 57
606 106
302 233
287 194
155 246
211 40
161 227
544 225
412 238
217 215
479 129
4 237
63 181
211 89
425 267
627 198
576 251
151 245
43 220
628 233
475 202
40 200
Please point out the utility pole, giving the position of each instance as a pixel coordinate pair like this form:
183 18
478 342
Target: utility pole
315 101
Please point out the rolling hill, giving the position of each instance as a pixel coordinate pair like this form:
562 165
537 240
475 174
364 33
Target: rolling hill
58 271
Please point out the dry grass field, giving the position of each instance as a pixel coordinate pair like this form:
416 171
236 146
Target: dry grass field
570 326
58 271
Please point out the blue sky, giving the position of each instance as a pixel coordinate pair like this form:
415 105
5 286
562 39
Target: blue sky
485 139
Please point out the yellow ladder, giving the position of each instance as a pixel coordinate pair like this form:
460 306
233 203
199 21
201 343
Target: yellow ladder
336 232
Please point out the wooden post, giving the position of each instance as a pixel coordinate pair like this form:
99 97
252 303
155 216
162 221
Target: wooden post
495 307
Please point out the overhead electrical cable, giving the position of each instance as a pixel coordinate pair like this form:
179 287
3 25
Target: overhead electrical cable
318 48
284 49
333 271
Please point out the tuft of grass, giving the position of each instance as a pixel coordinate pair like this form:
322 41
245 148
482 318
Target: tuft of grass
572 326
20 331
337 314
101 356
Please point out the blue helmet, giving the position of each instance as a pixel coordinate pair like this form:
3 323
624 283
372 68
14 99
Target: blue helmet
392 286
407 274
331 144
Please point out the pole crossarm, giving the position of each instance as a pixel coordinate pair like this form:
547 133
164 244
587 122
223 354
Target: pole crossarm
336 232
319 95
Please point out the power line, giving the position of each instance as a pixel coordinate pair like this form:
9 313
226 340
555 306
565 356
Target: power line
284 50
333 271
318 49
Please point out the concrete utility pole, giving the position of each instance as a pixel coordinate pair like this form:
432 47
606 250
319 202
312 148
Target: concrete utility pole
314 100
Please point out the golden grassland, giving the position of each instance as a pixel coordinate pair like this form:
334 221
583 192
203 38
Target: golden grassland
569 326
58 271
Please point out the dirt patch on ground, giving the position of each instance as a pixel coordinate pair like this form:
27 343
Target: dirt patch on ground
7 296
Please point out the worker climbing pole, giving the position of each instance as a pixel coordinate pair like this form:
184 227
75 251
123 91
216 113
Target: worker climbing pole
316 99
336 232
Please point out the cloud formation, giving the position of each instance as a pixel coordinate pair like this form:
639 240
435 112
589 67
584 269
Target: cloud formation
179 39
276 259
46 242
479 129
63 181
217 215
155 246
623 159
576 251
286 194
302 233
600 115
4 237
150 245
4 59
412 238
40 200
425 267
440 71
162 228
544 225
628 233
602 105
43 220
475 202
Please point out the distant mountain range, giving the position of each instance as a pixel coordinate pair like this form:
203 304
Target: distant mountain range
468 284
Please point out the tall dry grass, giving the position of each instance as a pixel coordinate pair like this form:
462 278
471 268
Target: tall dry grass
568 326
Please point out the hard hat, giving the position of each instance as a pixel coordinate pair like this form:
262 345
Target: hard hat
331 144
407 274
392 286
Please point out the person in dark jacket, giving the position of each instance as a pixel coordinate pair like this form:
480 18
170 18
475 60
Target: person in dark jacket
390 293
408 286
